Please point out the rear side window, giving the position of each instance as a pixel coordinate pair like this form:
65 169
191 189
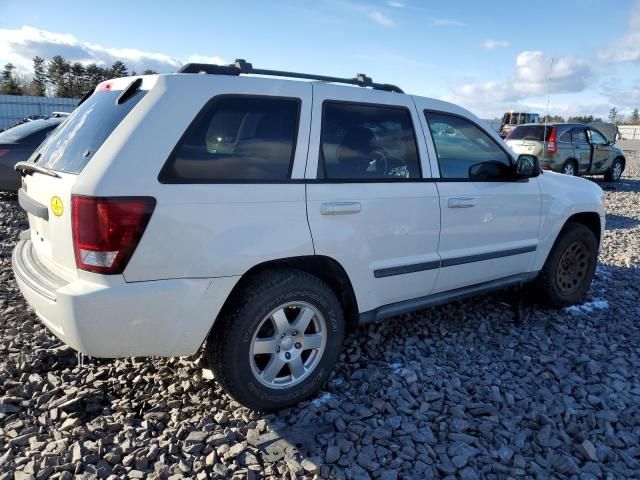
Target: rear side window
368 142
464 151
71 146
530 132
237 138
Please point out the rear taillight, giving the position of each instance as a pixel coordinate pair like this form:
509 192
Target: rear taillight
552 145
107 230
3 153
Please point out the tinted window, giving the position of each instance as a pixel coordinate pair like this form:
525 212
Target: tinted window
368 142
464 150
578 135
530 132
70 147
565 137
237 139
596 138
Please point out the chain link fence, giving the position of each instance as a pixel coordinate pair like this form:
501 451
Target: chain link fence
14 108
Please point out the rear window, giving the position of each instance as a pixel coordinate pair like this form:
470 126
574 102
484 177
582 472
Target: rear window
237 139
70 147
530 132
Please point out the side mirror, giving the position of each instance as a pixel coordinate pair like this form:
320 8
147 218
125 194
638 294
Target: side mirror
527 166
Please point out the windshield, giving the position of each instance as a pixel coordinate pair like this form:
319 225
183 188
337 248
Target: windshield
530 132
21 132
77 140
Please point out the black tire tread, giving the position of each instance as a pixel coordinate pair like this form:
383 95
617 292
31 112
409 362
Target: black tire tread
545 283
608 175
217 355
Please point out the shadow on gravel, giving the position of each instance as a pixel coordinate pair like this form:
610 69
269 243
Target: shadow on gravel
618 222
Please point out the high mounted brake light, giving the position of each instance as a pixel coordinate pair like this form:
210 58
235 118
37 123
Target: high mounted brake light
106 231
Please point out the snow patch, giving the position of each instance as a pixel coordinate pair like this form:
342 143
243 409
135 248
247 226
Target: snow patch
321 399
396 367
588 307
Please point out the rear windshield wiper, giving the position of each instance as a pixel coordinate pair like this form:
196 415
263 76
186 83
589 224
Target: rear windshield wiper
25 168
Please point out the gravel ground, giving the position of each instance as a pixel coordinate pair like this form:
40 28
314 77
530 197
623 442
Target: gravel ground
459 391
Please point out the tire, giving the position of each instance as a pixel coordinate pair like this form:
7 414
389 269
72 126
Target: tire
570 267
615 171
268 306
570 168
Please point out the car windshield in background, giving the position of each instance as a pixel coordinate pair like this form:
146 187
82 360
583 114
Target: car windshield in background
21 132
530 132
73 145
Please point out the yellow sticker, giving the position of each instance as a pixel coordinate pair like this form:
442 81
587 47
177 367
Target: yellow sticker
56 206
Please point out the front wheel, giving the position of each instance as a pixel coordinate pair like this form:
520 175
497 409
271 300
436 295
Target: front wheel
615 172
281 342
570 267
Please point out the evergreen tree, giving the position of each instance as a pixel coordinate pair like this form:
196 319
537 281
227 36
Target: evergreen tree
58 73
148 71
635 117
613 114
119 69
8 82
39 82
78 80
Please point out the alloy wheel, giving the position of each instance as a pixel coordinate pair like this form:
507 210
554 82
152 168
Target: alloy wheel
288 344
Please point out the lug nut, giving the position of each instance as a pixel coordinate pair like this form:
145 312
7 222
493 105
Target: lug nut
278 350
288 355
295 332
298 345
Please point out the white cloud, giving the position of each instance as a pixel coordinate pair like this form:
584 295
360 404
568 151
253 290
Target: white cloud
491 44
445 22
627 48
380 18
532 78
395 4
20 45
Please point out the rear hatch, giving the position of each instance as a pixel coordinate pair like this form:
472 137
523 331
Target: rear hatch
61 159
529 139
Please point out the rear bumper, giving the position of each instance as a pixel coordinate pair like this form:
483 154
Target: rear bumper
153 318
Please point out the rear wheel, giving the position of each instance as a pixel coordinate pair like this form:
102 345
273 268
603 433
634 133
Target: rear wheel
281 342
570 168
615 172
570 267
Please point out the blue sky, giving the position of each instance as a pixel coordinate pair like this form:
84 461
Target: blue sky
487 56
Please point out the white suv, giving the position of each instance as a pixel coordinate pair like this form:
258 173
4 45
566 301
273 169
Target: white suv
263 218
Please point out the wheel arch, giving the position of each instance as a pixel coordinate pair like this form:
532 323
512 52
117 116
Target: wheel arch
591 220
325 268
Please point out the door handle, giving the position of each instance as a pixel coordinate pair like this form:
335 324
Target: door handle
340 208
462 202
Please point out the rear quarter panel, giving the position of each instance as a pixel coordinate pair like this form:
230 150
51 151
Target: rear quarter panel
201 230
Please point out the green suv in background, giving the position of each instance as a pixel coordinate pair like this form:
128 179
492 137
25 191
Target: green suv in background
569 148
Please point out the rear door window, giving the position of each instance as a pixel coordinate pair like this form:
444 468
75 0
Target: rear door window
72 146
367 142
579 136
237 139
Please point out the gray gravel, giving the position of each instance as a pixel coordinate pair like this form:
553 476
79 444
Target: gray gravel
459 391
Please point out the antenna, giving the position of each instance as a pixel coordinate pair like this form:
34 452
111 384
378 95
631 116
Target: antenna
546 116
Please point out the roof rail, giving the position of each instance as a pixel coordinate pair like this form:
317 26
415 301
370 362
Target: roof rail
243 67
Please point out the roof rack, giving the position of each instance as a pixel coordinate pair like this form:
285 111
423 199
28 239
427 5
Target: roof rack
241 66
